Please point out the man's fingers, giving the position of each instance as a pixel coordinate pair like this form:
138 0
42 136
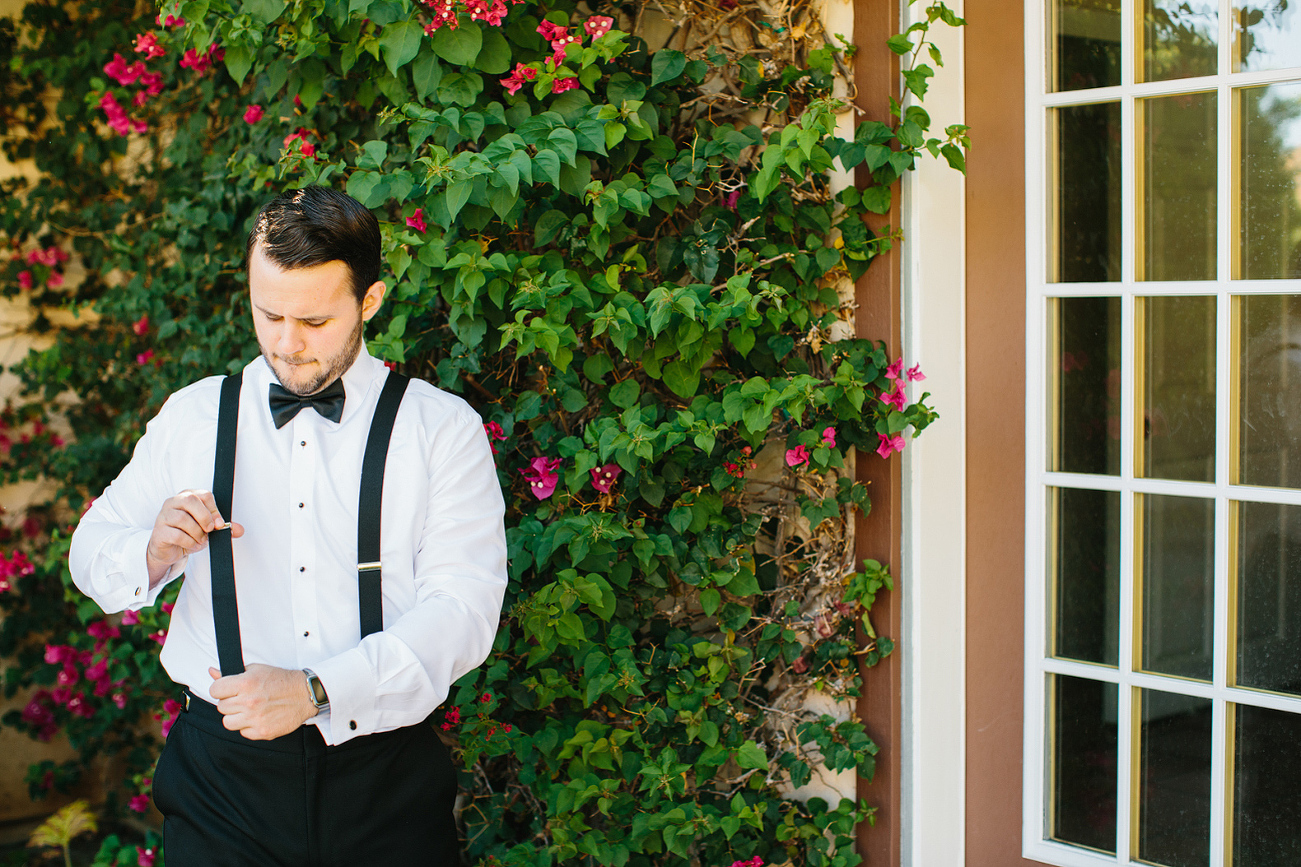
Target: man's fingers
236 530
214 673
200 506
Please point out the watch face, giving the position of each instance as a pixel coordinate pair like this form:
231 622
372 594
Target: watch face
318 690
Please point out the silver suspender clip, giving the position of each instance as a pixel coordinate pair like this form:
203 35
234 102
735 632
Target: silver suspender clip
373 566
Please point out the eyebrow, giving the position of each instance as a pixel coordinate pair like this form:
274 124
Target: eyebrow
321 317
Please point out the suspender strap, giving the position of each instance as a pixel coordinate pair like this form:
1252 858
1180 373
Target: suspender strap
369 598
225 613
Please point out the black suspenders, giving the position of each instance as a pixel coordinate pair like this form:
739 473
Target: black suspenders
225 613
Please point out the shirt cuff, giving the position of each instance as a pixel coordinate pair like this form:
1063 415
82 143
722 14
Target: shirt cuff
130 580
350 684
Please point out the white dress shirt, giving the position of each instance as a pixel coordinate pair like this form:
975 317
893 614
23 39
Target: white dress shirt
443 544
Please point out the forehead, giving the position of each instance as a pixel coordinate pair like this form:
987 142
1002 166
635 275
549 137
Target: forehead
299 292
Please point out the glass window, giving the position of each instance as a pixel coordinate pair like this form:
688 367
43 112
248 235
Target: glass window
1087 405
1087 215
1174 780
1265 35
1269 391
1178 581
1269 204
1180 38
1179 187
1086 36
1087 571
1269 597
1084 762
1266 797
1178 355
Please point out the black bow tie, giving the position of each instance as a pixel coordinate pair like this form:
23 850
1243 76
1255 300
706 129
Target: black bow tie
285 405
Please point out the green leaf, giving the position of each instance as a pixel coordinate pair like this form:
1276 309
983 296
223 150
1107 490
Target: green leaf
682 378
710 599
460 88
458 47
239 60
458 193
667 65
546 164
625 394
426 72
750 755
264 11
369 188
494 55
548 226
400 42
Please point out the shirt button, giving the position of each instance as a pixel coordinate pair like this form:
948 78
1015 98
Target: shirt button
137 591
352 724
303 443
305 634
302 568
300 505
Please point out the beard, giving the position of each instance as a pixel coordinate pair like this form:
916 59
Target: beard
328 371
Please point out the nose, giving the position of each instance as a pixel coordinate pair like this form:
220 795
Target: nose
289 338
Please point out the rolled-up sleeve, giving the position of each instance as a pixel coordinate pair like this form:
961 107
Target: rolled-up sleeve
398 676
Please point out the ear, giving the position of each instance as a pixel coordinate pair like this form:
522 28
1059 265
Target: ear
372 300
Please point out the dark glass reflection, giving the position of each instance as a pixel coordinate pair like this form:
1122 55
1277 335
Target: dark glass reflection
1087 435
1269 597
1180 38
1178 582
1266 797
1179 388
1179 191
1087 574
1270 203
1084 763
1174 791
1087 234
1267 35
1269 386
1088 43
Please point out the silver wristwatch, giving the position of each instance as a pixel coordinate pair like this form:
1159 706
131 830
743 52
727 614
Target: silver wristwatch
316 691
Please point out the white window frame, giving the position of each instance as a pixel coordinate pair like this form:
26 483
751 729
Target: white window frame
1039 220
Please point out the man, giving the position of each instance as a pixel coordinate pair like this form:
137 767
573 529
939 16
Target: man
304 741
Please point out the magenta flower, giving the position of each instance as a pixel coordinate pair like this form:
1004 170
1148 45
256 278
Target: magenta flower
122 72
130 618
915 373
895 370
889 444
518 78
145 857
192 59
152 82
417 220
598 25
797 457
147 44
495 435
829 437
160 636
102 630
139 803
560 85
25 279
55 280
603 477
542 476
895 398
253 114
140 326
145 357
551 31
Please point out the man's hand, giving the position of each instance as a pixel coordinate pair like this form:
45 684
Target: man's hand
182 527
264 702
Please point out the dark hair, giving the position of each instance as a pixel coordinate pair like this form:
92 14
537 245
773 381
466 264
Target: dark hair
315 225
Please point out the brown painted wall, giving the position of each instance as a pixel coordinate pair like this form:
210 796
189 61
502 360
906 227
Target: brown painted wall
996 240
879 535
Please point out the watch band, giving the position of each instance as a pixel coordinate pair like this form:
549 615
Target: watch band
316 691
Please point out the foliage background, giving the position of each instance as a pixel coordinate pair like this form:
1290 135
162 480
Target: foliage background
625 255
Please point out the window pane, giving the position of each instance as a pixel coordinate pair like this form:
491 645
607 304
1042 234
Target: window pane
1087 38
1087 426
1174 784
1179 388
1269 387
1266 797
1179 38
1269 211
1269 597
1178 189
1087 231
1178 585
1268 36
1084 762
1087 575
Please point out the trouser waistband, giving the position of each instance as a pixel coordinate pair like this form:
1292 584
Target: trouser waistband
204 715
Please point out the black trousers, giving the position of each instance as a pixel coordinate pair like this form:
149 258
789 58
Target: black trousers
227 801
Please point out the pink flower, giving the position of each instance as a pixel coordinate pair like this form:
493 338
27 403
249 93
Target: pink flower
797 457
130 618
172 21
115 114
192 59
122 72
25 279
140 803
604 477
482 10
307 149
253 114
152 82
140 326
147 44
98 671
732 198
171 709
144 857
216 53
895 370
560 85
516 79
542 476
68 675
417 220
119 698
160 636
55 280
140 99
915 373
889 444
895 398
551 31
598 25
829 437
102 630
167 607
145 357
56 653
442 14
495 435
